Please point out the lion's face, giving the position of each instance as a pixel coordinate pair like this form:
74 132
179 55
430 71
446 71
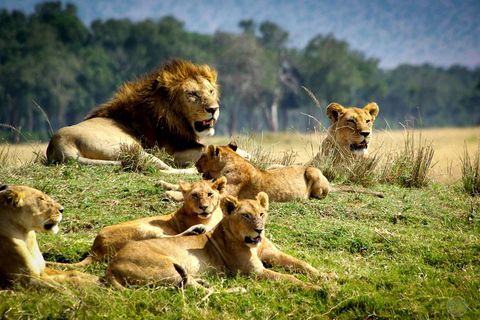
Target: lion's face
246 218
30 208
200 96
202 197
353 126
215 158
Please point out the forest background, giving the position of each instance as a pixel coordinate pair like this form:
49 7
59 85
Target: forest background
54 69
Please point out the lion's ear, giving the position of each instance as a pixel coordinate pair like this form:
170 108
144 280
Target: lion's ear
262 198
372 109
230 203
11 198
210 150
185 186
334 111
220 184
233 145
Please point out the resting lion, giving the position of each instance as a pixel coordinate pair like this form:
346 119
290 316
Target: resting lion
245 181
350 133
22 211
170 108
230 248
200 212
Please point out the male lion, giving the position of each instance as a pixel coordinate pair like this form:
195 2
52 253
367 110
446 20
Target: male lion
22 211
230 248
170 108
200 212
350 133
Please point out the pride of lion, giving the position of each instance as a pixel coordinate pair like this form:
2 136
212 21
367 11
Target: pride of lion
219 229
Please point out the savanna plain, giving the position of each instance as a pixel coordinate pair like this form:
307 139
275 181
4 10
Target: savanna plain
414 254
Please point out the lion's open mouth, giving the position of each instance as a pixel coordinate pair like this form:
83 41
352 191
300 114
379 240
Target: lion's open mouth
255 240
204 215
359 146
204 125
49 226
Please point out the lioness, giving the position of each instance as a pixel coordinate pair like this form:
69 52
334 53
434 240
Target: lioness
200 212
228 249
22 211
170 108
350 132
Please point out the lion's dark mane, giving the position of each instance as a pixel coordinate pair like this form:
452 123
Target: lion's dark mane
149 107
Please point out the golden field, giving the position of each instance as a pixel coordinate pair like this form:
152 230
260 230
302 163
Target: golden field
449 145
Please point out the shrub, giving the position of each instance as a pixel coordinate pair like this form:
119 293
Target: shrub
471 172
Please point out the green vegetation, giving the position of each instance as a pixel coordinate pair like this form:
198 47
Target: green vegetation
471 173
49 58
404 256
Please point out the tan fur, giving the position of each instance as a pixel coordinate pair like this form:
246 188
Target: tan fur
23 211
200 212
245 181
170 108
230 248
350 132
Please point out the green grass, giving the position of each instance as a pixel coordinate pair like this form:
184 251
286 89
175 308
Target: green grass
401 257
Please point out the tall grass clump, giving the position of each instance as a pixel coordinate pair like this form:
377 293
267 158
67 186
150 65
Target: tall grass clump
408 166
132 158
471 172
344 169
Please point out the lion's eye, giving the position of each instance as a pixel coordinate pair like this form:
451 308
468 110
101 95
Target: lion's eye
192 95
262 214
210 194
351 121
368 121
194 196
245 216
212 92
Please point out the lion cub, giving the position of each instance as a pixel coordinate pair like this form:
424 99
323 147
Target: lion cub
24 210
230 248
245 181
200 212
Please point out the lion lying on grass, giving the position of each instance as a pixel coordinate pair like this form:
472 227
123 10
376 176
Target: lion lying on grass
244 180
170 108
230 248
350 133
22 211
200 212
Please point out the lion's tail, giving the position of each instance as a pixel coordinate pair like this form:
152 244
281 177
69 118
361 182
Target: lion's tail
353 190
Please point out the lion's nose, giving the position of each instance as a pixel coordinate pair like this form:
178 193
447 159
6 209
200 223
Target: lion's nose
258 230
365 133
203 207
212 110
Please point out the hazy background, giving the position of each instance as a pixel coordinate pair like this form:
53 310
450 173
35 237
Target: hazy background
439 32
419 60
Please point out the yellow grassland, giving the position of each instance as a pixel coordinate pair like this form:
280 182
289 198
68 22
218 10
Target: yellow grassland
449 145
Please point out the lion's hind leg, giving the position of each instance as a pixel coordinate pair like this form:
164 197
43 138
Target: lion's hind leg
317 185
74 277
156 269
